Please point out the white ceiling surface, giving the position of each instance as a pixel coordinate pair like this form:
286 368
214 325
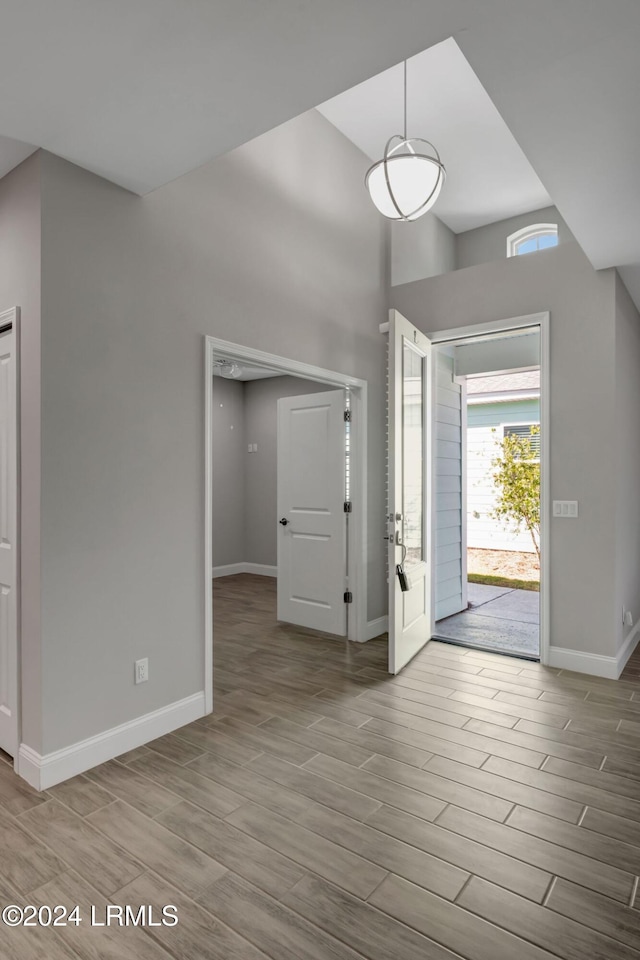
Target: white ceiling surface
488 176
142 92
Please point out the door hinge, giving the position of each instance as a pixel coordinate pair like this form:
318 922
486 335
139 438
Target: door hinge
347 416
347 506
348 596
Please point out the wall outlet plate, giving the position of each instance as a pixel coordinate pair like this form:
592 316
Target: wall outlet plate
565 508
141 670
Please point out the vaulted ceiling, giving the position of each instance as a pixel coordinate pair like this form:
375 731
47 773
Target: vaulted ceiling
488 176
142 92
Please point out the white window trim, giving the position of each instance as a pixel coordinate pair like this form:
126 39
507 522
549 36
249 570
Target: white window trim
529 233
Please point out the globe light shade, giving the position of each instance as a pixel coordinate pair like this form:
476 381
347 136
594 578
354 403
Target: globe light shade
230 370
408 180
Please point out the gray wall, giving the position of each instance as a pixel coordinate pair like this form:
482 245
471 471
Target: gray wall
485 244
228 472
427 248
261 426
422 248
582 397
627 464
244 249
20 286
245 484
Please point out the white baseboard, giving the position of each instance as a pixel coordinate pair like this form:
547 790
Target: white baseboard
232 569
628 647
592 663
228 570
46 771
260 569
376 627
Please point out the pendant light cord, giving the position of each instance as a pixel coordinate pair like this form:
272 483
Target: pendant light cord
405 100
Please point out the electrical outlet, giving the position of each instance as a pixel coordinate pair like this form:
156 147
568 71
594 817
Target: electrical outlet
141 670
628 619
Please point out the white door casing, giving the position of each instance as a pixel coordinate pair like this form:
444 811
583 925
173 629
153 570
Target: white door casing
495 329
410 489
8 534
311 494
358 627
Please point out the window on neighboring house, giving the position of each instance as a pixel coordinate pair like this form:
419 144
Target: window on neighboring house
524 430
538 236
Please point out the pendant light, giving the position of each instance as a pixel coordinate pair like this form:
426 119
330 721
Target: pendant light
229 369
407 181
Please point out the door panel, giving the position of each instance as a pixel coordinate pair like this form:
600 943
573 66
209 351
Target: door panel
410 387
8 546
311 493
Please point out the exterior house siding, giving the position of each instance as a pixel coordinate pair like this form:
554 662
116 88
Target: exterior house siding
484 423
451 592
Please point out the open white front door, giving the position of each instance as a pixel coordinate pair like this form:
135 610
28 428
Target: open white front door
8 536
311 518
409 490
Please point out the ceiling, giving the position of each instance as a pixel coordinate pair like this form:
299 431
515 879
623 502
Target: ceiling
488 176
144 92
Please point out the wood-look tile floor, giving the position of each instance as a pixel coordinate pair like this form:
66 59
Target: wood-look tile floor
632 669
474 807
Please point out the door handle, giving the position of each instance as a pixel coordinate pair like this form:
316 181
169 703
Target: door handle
284 521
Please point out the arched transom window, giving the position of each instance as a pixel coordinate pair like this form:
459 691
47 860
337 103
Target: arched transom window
537 236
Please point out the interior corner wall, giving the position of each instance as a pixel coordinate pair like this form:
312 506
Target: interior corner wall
261 426
228 472
627 467
582 552
20 286
421 248
488 243
240 249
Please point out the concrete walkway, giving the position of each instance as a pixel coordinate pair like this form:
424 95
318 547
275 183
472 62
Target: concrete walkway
498 619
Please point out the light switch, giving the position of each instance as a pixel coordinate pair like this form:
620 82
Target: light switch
565 508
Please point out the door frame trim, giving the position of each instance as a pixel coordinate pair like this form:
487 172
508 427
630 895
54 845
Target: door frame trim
11 318
357 538
478 331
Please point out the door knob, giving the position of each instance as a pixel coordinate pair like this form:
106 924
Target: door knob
284 521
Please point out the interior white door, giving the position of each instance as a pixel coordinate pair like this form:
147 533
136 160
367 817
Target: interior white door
8 536
311 518
410 387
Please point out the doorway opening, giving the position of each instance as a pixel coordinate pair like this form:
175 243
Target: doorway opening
487 492
427 518
285 499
